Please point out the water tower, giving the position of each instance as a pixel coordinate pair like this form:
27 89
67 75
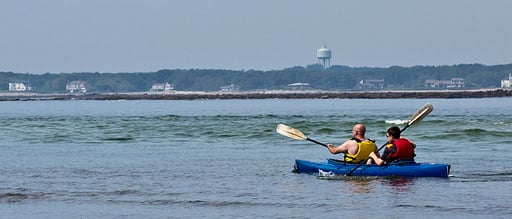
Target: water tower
324 57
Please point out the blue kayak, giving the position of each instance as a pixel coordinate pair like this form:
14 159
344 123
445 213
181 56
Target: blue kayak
407 169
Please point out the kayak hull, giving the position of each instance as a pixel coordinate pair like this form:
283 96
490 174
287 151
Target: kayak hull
406 169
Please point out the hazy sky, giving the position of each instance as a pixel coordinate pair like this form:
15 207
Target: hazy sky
148 35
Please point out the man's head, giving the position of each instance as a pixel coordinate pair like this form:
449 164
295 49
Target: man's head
359 130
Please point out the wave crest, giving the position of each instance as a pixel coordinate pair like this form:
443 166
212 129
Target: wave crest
397 121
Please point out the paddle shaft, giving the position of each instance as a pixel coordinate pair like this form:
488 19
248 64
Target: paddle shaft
320 143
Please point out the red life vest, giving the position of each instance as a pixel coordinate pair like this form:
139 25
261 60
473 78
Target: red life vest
404 150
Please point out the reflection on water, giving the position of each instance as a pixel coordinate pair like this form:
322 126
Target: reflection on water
399 184
365 184
360 185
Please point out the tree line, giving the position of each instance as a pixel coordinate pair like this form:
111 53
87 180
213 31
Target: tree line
334 78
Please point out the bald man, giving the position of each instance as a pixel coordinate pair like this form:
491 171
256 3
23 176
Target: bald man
357 148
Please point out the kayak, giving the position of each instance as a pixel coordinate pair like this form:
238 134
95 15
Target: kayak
404 168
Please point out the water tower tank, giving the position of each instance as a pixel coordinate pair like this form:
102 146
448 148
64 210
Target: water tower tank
324 56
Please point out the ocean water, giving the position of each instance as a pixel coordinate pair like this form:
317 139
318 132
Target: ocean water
223 159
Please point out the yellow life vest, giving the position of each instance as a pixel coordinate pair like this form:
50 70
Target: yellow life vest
363 151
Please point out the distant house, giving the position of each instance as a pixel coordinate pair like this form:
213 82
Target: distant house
18 87
76 87
165 87
370 84
506 83
229 88
453 83
299 86
456 83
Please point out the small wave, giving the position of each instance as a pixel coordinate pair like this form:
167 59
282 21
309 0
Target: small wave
483 132
225 135
118 139
486 177
206 203
397 121
432 207
497 176
123 192
168 117
474 133
222 203
18 197
327 131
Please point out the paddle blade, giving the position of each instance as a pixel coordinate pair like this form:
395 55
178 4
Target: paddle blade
290 132
420 114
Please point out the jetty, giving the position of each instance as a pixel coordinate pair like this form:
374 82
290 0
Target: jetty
264 94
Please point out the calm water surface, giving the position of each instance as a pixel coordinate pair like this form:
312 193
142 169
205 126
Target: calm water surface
223 159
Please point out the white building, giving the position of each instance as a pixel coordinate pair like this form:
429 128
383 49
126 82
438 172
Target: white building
166 87
456 83
299 86
370 84
19 87
76 87
453 83
506 83
230 88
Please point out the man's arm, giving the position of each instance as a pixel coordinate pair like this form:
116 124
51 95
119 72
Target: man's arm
343 148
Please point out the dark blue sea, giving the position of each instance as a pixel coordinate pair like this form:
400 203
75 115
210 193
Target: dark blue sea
223 159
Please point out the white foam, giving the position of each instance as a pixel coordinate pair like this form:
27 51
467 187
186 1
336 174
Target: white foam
397 121
322 173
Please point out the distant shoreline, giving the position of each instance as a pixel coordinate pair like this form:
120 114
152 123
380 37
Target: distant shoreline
267 94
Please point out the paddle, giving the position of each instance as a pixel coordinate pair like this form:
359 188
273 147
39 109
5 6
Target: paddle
294 133
416 118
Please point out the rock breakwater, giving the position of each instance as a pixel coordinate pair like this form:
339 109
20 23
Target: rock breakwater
270 94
